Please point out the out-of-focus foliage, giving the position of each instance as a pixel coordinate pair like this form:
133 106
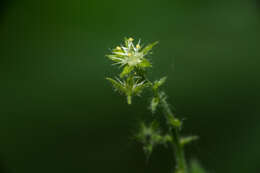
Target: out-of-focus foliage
195 167
150 136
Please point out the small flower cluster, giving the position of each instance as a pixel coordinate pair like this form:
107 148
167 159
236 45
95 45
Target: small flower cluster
132 58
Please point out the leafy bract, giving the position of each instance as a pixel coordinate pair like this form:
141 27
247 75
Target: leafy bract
154 103
149 47
188 139
130 87
159 83
118 85
138 87
126 71
145 63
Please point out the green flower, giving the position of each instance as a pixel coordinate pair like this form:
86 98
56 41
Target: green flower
130 87
131 55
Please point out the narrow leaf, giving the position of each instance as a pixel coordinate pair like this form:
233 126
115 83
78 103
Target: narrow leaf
149 47
127 69
114 58
138 89
117 85
159 83
154 103
145 63
174 121
188 139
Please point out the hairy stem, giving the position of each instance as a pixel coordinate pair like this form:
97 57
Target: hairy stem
176 143
179 152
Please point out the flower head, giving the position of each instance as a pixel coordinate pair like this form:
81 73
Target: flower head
131 55
129 87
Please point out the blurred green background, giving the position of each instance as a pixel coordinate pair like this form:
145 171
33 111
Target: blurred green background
58 114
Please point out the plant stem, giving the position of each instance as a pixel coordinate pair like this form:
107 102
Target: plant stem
179 152
176 143
129 100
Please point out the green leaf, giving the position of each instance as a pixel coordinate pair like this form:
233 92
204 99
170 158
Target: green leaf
149 47
154 103
167 138
137 90
114 58
126 41
174 121
159 83
154 125
127 69
145 63
196 168
188 139
117 85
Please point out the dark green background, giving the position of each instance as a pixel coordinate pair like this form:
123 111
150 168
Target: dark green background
58 114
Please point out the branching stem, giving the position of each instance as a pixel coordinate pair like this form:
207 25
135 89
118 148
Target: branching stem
133 81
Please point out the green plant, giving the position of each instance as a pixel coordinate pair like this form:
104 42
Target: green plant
132 81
